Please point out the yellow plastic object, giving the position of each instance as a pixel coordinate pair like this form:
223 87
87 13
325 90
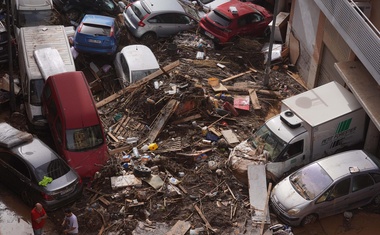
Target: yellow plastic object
214 82
153 146
45 181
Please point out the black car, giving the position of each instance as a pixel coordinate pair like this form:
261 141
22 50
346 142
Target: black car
34 171
76 9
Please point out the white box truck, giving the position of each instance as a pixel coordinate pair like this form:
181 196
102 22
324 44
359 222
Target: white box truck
311 125
34 71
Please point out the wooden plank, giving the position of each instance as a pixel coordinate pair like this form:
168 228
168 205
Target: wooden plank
104 201
263 92
112 137
238 75
181 227
208 225
255 101
137 84
257 193
161 119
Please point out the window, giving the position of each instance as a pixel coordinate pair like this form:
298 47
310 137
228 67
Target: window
376 177
36 87
338 190
18 165
124 66
294 150
360 182
58 128
85 138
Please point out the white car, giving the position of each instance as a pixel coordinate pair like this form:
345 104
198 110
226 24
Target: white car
329 186
133 63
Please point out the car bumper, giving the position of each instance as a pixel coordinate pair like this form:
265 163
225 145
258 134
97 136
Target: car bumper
62 202
214 37
93 50
293 221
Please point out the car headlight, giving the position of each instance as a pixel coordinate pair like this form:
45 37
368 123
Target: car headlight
293 211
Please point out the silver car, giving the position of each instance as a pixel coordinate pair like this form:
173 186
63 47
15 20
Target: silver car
151 19
133 63
326 187
35 172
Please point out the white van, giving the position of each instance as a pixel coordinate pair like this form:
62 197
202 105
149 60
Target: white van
32 76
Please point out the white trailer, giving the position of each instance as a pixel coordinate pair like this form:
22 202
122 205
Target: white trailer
314 124
32 40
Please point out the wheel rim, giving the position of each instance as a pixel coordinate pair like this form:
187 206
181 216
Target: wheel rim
25 197
73 15
149 37
376 200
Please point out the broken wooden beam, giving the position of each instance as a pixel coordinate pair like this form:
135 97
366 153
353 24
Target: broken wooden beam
208 225
137 84
263 92
181 227
239 75
255 101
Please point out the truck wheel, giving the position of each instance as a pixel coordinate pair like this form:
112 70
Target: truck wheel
309 219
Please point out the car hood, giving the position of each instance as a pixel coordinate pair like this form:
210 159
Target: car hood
285 195
62 182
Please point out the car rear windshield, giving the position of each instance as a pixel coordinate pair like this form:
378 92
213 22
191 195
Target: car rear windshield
140 10
219 18
53 169
310 181
84 138
96 30
139 74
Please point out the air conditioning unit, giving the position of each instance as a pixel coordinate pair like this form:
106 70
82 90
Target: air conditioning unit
365 7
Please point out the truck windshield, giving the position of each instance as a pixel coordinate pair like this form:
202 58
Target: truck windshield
84 138
36 18
36 87
266 140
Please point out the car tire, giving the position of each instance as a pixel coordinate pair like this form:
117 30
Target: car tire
141 171
27 199
149 37
376 200
309 219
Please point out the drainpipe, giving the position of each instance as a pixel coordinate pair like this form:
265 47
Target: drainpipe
269 60
10 59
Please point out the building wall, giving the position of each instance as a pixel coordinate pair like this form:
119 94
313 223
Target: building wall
304 27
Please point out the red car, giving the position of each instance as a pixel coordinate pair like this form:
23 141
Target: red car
232 19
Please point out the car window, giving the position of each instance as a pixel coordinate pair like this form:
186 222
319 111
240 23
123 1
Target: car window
293 150
96 30
376 177
219 18
361 181
14 162
170 18
340 189
53 169
84 138
36 88
58 128
125 67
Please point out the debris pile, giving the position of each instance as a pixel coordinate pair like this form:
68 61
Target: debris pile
169 137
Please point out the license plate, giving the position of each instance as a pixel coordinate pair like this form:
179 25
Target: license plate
94 41
209 35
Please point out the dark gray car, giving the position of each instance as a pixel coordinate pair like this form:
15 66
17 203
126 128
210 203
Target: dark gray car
35 172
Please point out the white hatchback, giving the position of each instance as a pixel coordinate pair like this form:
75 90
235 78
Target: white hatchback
133 63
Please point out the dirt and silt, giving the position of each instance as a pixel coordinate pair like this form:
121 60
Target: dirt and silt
195 186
